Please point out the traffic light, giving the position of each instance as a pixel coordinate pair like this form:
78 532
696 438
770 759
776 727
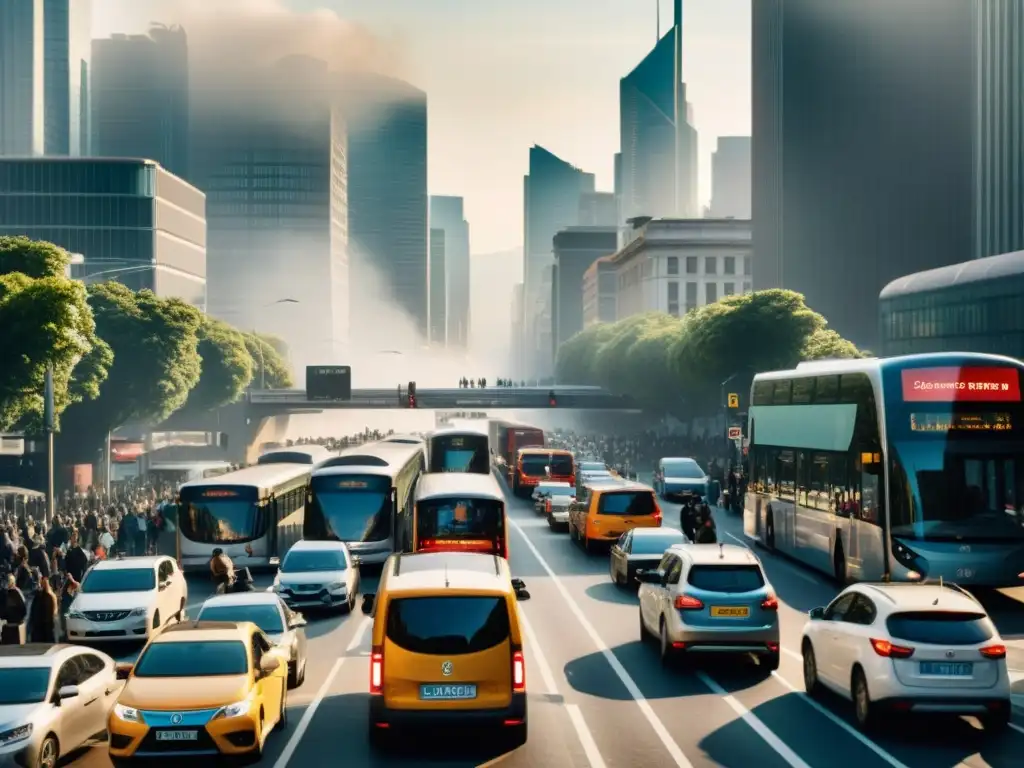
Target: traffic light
412 394
552 400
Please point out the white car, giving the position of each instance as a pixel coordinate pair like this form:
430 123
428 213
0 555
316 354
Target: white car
318 574
913 648
127 599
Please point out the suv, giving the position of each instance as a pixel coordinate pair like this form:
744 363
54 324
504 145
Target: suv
913 648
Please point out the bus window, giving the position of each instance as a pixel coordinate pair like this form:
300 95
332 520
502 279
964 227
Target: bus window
349 508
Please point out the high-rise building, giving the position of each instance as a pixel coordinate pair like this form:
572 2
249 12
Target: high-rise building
22 63
658 140
67 32
130 219
863 132
576 249
600 292
439 283
140 97
271 155
598 209
730 178
446 212
387 195
517 335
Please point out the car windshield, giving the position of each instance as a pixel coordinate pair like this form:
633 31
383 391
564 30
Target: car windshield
23 685
655 545
539 464
308 561
686 469
119 580
729 579
556 490
212 658
266 617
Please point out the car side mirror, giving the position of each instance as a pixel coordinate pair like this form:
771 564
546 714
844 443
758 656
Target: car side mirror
817 614
269 663
648 576
368 603
123 671
298 620
522 594
518 584
67 692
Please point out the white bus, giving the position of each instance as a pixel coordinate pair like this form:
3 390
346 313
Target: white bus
460 512
904 468
296 454
459 449
364 497
253 514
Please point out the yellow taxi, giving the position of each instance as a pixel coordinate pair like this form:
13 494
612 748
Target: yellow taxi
447 646
609 507
204 688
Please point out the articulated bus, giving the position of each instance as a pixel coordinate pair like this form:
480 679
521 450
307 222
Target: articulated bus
364 497
296 454
533 465
905 468
460 512
253 514
458 449
507 437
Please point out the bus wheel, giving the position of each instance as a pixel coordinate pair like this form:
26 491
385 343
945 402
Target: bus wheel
769 530
839 563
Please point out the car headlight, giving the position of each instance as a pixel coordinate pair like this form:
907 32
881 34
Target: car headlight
14 735
336 586
139 611
237 709
76 615
128 714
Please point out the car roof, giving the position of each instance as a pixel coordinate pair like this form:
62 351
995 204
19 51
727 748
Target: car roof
678 458
205 631
38 654
124 563
717 554
542 450
242 598
439 571
921 597
304 545
653 533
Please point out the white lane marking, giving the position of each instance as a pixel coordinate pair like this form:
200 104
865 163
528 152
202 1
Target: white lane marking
1017 728
789 568
590 749
892 761
307 716
798 656
758 726
620 671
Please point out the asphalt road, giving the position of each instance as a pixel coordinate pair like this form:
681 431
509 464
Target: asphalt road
599 698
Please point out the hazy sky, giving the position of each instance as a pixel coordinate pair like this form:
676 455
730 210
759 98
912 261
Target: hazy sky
502 75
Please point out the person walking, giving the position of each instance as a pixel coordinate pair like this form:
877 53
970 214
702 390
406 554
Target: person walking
42 618
13 611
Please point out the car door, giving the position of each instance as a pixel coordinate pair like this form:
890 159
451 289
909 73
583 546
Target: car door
269 685
98 691
830 634
74 715
290 617
668 592
180 586
650 601
620 552
167 600
855 637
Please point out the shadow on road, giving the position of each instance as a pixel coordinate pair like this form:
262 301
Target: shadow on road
610 593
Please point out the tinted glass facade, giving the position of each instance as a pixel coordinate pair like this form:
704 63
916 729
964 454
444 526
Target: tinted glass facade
438 288
576 250
22 102
446 212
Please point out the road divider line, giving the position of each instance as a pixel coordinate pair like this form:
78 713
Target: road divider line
755 723
307 716
620 671
585 736
790 568
834 718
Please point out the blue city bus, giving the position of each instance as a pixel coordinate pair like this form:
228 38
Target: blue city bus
904 468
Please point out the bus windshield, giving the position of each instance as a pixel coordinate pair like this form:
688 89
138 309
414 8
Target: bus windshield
466 521
221 515
539 464
957 454
460 453
349 508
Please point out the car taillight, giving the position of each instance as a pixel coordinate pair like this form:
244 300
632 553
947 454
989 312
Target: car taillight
657 514
518 672
770 603
547 506
377 671
890 651
687 603
993 652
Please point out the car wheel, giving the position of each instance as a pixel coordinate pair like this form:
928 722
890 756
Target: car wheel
863 707
839 564
181 610
998 721
282 721
645 636
302 674
293 674
378 738
665 645
156 620
770 662
516 735
811 683
49 753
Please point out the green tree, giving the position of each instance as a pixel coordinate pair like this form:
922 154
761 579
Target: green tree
227 366
576 357
270 370
156 364
610 366
826 344
46 322
655 381
35 258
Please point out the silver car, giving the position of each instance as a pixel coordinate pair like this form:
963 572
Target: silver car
544 491
53 699
640 549
710 598
283 627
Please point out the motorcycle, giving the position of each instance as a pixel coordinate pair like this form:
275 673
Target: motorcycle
696 521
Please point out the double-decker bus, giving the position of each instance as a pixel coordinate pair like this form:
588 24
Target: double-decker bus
460 512
458 449
296 454
364 497
534 465
254 514
507 437
904 468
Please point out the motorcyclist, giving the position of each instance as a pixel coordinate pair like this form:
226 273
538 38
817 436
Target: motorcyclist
222 570
696 521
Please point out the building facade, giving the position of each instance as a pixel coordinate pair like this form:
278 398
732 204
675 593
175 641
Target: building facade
131 220
140 102
677 265
67 33
439 284
598 209
600 292
860 173
730 179
446 213
516 334
22 62
576 250
977 306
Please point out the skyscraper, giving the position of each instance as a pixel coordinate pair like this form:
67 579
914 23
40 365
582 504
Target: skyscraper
576 250
22 99
67 29
730 178
140 97
387 194
658 141
863 126
439 283
446 212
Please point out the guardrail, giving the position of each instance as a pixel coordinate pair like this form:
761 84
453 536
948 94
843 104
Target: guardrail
580 398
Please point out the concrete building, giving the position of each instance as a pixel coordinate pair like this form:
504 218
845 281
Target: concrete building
22 62
658 140
730 179
576 250
446 213
600 292
675 265
439 284
387 195
132 220
140 97
598 209
271 155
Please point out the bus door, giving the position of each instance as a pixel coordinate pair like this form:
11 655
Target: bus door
275 513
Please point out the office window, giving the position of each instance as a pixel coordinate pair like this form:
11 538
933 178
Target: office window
746 266
673 298
691 265
691 296
729 289
673 265
710 265
710 293
746 287
729 266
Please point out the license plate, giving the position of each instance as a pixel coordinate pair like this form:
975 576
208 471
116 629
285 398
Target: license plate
177 735
308 588
447 692
946 669
730 612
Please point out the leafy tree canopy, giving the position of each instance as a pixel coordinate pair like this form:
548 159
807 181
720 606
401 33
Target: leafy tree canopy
575 360
227 366
269 366
34 258
609 366
826 344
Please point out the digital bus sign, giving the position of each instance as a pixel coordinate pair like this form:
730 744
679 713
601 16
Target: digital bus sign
955 384
219 493
961 422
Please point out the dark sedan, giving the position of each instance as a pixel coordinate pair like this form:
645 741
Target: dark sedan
640 548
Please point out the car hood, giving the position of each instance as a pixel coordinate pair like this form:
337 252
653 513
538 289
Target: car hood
174 693
15 715
112 601
311 577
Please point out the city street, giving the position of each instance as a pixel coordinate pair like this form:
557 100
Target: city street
600 698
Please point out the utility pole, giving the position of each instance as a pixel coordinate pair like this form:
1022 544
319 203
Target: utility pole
109 465
48 423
